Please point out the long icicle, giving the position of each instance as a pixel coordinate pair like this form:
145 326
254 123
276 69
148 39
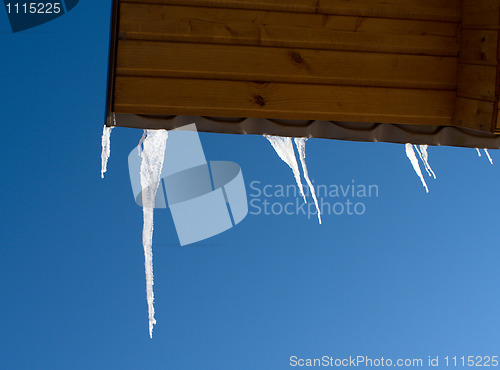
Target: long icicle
410 153
106 148
301 148
152 155
284 148
424 156
488 155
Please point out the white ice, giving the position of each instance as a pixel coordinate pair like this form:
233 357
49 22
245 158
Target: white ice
488 155
284 148
301 148
139 147
106 148
410 153
424 156
152 155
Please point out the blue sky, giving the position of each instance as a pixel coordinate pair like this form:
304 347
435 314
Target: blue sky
415 276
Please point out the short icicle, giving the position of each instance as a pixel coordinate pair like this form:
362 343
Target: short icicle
106 148
284 148
410 153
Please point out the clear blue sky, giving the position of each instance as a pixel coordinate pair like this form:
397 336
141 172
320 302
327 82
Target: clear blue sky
416 276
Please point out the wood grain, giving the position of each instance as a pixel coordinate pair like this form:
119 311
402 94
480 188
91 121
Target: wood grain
481 14
477 82
442 10
473 113
163 96
248 27
479 47
249 63
478 72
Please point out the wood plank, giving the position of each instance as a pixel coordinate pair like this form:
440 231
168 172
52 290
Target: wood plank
481 14
229 26
250 63
163 96
443 10
479 47
283 19
478 70
477 114
477 82
305 6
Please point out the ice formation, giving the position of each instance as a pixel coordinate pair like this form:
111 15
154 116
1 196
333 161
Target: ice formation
284 148
301 148
139 147
424 156
410 153
488 155
106 149
152 154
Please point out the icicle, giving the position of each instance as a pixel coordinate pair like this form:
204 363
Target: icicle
301 148
106 149
139 147
106 146
488 155
414 162
284 148
153 154
424 156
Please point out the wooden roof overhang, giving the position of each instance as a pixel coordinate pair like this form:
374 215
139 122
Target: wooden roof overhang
420 71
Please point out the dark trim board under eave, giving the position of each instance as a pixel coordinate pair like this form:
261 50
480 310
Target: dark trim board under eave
349 131
113 45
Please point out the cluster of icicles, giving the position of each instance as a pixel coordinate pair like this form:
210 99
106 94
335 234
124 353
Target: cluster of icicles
424 157
152 152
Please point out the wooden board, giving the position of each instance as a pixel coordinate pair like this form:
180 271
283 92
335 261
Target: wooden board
249 63
477 82
473 110
250 27
153 95
478 72
442 10
479 47
481 14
